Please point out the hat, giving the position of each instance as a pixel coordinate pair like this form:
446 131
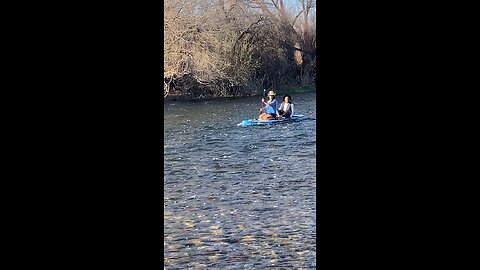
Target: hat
271 93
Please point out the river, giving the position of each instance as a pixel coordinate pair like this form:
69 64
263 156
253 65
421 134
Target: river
238 197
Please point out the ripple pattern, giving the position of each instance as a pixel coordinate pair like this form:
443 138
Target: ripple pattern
238 197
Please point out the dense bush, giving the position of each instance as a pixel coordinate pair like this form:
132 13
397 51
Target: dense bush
237 47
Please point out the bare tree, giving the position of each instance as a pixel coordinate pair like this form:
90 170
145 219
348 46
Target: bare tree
220 47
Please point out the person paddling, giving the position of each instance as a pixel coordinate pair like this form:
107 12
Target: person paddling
286 108
269 111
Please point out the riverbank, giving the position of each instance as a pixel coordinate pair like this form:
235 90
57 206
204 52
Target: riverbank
296 90
280 92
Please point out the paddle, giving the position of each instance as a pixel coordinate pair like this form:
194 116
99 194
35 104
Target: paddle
264 97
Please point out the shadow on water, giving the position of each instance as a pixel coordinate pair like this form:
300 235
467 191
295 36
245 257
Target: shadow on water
238 197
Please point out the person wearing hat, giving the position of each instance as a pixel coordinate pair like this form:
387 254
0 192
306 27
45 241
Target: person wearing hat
270 109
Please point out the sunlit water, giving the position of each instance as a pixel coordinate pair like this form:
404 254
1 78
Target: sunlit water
238 197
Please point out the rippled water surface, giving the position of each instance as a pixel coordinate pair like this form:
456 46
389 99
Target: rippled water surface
238 197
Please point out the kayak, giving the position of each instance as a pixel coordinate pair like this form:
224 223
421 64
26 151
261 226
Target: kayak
257 122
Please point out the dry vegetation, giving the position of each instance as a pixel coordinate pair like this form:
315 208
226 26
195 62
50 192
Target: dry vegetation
237 47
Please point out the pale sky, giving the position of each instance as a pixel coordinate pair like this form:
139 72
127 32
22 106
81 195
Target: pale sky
293 3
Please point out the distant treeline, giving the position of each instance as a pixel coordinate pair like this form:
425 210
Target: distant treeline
217 48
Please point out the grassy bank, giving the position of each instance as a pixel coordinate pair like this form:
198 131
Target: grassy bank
295 90
280 92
